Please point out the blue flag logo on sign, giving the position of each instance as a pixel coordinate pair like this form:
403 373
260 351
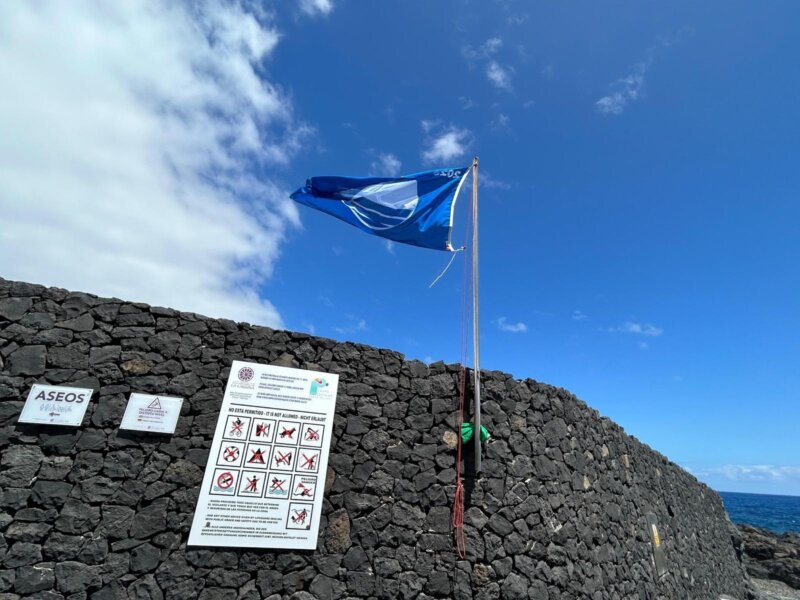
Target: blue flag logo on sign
413 209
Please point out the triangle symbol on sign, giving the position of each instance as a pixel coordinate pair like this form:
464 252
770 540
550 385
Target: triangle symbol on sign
156 404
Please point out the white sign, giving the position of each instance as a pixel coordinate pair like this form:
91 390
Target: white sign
55 405
265 475
158 414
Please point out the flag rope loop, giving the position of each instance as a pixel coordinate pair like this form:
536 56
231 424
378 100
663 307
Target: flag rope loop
452 258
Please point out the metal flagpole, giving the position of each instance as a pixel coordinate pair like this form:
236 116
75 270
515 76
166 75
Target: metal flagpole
475 319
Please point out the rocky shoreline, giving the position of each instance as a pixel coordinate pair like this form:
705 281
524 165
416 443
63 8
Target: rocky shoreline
773 561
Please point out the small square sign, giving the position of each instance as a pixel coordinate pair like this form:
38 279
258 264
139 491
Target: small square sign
288 432
224 482
279 485
308 461
304 487
236 428
156 414
299 516
311 434
55 405
231 454
257 456
283 458
251 483
263 430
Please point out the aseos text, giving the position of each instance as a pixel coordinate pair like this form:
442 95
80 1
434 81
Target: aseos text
53 396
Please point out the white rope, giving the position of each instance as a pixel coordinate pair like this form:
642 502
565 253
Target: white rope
452 258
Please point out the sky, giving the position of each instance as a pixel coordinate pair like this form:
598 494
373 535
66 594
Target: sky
638 194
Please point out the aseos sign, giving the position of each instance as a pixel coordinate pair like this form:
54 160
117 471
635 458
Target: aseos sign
55 405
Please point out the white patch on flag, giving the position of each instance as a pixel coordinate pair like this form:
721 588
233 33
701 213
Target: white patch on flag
384 205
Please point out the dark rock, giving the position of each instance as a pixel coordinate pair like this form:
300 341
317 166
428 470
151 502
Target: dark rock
769 555
27 532
30 579
144 558
73 576
77 517
150 520
28 360
21 554
337 534
83 323
12 309
50 493
146 588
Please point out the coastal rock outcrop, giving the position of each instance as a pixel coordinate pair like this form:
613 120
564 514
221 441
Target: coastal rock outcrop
769 555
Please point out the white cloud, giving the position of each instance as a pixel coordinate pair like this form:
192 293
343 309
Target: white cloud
127 147
356 325
578 315
625 90
499 76
484 51
443 144
501 123
386 165
389 245
490 183
752 473
504 325
645 329
316 7
631 87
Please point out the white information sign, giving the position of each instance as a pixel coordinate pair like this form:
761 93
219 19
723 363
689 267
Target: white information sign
157 414
55 405
265 475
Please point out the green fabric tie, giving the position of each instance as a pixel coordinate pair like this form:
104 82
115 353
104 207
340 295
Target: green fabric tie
468 429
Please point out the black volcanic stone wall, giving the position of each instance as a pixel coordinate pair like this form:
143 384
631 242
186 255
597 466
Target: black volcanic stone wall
97 513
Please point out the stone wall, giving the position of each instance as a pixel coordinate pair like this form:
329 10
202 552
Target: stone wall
98 513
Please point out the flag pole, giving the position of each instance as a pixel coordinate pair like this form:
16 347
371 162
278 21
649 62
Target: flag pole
475 320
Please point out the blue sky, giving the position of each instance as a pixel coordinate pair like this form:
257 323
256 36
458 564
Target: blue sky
638 219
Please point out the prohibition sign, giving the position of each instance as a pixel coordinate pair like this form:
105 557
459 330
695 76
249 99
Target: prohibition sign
225 480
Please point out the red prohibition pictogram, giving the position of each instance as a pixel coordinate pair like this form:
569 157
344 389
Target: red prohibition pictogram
231 454
287 433
252 484
276 485
257 457
312 435
283 459
237 427
309 462
300 516
262 429
225 480
303 490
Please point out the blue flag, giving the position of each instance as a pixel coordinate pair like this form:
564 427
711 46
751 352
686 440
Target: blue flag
413 209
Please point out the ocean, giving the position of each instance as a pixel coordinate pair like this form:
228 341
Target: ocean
776 513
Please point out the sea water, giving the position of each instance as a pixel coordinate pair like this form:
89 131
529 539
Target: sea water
776 513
